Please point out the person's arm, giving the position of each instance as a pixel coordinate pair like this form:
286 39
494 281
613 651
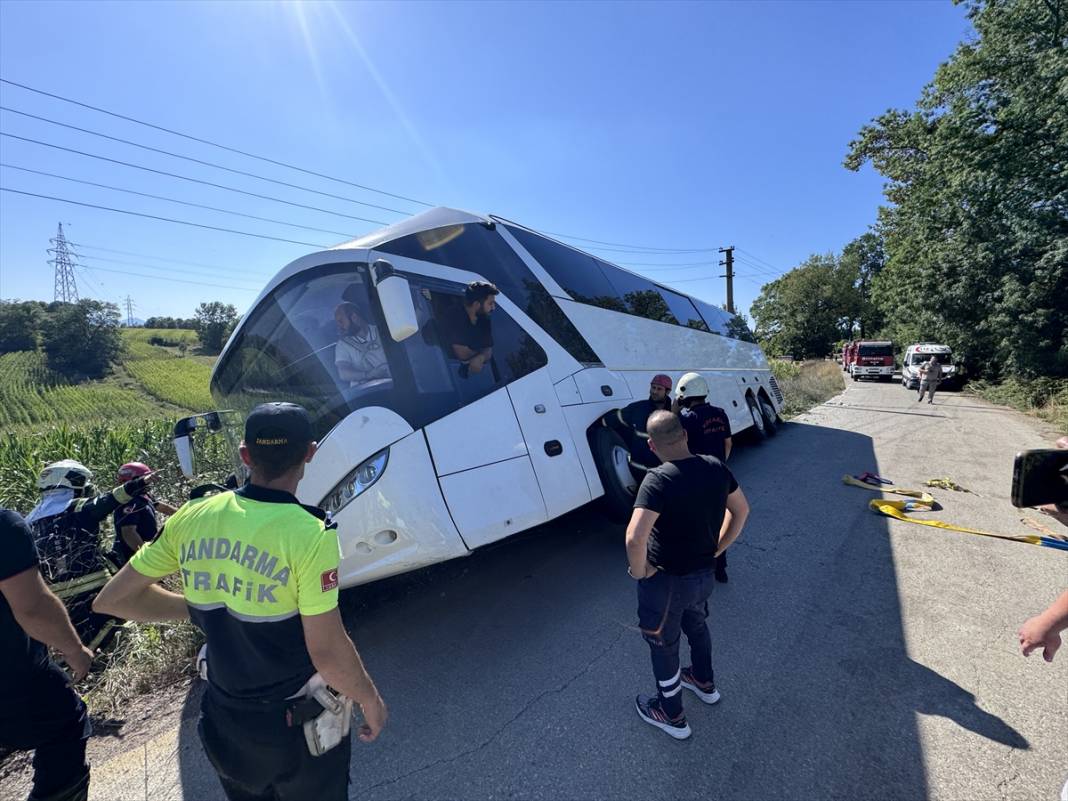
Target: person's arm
43 617
131 537
1044 629
338 662
462 352
727 448
638 531
165 508
733 520
133 596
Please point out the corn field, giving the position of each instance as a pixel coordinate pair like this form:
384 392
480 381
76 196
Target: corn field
31 394
171 378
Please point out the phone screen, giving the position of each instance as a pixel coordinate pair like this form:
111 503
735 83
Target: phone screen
1040 477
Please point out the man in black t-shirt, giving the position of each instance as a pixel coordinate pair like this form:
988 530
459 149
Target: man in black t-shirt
687 511
38 709
708 429
469 334
633 418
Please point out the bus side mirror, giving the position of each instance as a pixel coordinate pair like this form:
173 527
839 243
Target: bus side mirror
183 446
395 297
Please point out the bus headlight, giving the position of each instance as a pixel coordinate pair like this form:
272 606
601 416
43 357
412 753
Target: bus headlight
355 483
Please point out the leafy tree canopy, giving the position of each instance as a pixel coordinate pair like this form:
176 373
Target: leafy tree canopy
81 339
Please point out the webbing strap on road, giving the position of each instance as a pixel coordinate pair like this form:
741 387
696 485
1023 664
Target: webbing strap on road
920 495
899 509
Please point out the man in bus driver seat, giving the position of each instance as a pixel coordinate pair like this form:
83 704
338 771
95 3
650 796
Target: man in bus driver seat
468 333
358 354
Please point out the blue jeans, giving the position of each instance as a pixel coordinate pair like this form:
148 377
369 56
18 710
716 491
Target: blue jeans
669 606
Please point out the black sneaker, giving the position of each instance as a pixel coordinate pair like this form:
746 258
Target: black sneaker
706 692
649 710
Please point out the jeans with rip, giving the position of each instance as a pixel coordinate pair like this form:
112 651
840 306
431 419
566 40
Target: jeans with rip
668 607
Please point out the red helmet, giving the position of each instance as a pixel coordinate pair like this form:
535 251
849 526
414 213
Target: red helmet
133 470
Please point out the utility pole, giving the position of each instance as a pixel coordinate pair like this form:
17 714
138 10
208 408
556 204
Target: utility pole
66 289
729 262
129 311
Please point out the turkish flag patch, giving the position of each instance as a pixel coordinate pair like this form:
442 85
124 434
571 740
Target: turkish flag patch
329 580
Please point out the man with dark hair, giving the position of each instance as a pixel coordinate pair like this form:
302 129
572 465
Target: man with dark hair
687 511
38 709
469 334
260 579
633 418
358 354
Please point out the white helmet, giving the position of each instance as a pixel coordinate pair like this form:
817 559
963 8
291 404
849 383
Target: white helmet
691 385
67 474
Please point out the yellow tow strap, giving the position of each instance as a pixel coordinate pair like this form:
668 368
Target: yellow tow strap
899 509
920 495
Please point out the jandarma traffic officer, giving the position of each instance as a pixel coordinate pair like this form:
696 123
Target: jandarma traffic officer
260 577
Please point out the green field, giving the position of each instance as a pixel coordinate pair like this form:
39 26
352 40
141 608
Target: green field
125 416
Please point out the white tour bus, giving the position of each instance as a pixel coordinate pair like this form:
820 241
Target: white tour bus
431 461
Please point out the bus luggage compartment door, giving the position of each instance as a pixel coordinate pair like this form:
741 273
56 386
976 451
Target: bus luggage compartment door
485 473
552 449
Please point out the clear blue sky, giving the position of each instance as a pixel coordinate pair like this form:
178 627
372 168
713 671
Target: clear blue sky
669 125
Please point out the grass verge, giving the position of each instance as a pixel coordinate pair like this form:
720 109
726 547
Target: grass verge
1045 398
806 384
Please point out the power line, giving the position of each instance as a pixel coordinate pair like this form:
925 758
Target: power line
258 280
202 161
83 246
163 219
756 268
662 264
762 261
214 144
175 200
188 178
634 248
175 280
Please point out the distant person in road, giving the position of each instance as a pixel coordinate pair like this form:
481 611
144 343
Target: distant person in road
708 429
469 333
136 522
634 417
687 511
260 579
358 354
930 378
39 711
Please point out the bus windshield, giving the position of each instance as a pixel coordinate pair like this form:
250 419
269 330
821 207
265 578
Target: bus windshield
318 340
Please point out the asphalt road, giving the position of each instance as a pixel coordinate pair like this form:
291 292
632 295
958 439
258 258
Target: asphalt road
858 657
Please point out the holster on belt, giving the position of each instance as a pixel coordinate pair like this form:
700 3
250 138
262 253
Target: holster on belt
324 715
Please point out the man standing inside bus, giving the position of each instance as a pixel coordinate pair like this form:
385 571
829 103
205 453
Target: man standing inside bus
470 335
688 510
708 429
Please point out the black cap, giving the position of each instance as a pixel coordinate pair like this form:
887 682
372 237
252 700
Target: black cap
283 426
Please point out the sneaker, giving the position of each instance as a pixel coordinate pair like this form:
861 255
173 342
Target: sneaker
649 710
706 692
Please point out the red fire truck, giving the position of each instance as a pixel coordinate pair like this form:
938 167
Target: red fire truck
872 358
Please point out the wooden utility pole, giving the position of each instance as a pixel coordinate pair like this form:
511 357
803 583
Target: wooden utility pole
729 262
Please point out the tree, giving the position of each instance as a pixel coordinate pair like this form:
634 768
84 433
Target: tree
806 311
214 322
20 325
82 339
862 260
976 236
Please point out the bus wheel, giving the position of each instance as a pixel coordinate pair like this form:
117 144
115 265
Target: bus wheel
759 431
771 419
613 466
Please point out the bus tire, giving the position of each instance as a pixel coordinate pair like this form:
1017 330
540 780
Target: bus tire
612 458
771 418
758 432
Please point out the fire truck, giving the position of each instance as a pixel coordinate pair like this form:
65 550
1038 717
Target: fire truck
872 359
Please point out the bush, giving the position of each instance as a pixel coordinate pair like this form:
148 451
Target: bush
214 322
1046 398
20 324
806 384
82 339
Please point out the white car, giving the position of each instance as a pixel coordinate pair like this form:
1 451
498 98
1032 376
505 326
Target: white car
919 354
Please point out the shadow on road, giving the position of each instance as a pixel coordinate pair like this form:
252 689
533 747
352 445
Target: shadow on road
512 672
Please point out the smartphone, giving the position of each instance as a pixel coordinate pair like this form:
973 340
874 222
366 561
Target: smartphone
1040 477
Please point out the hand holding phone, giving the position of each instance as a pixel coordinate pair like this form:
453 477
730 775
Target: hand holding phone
1040 477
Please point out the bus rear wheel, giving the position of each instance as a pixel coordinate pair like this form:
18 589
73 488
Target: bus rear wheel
612 458
771 418
759 430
